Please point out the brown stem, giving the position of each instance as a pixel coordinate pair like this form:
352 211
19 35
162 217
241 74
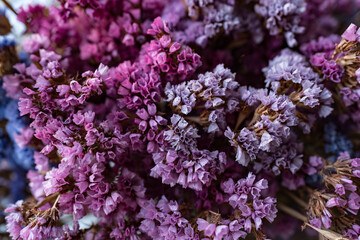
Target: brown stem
48 199
298 200
56 201
194 119
292 212
241 117
328 234
8 5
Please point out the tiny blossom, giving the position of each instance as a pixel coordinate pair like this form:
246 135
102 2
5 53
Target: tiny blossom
167 56
164 221
265 132
287 157
324 45
181 135
340 196
190 171
250 208
282 15
290 73
215 90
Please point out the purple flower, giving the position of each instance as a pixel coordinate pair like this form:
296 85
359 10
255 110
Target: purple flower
207 228
215 90
282 15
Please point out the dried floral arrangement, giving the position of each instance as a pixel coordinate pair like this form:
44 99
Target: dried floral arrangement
181 119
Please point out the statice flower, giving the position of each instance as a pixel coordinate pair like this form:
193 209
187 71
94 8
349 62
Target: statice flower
288 157
181 136
245 197
163 220
282 17
190 171
150 124
344 63
290 74
337 205
134 87
177 61
245 143
215 91
148 119
94 33
320 53
216 16
345 55
245 193
268 129
325 45
41 224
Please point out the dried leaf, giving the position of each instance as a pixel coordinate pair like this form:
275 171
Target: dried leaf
328 234
5 26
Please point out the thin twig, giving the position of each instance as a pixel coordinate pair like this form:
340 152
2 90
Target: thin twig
328 234
48 199
56 201
291 212
8 5
298 200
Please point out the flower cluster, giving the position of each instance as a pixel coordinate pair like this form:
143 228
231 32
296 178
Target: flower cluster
180 161
213 95
337 205
282 16
290 74
164 220
268 129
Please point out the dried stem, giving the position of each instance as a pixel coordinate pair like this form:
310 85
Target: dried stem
8 5
48 199
328 234
292 212
241 117
56 201
298 200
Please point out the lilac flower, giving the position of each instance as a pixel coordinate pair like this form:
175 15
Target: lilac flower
181 136
215 90
340 195
282 15
169 57
265 132
244 195
290 74
164 220
190 171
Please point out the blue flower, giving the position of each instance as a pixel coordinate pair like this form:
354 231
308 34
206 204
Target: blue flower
335 141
